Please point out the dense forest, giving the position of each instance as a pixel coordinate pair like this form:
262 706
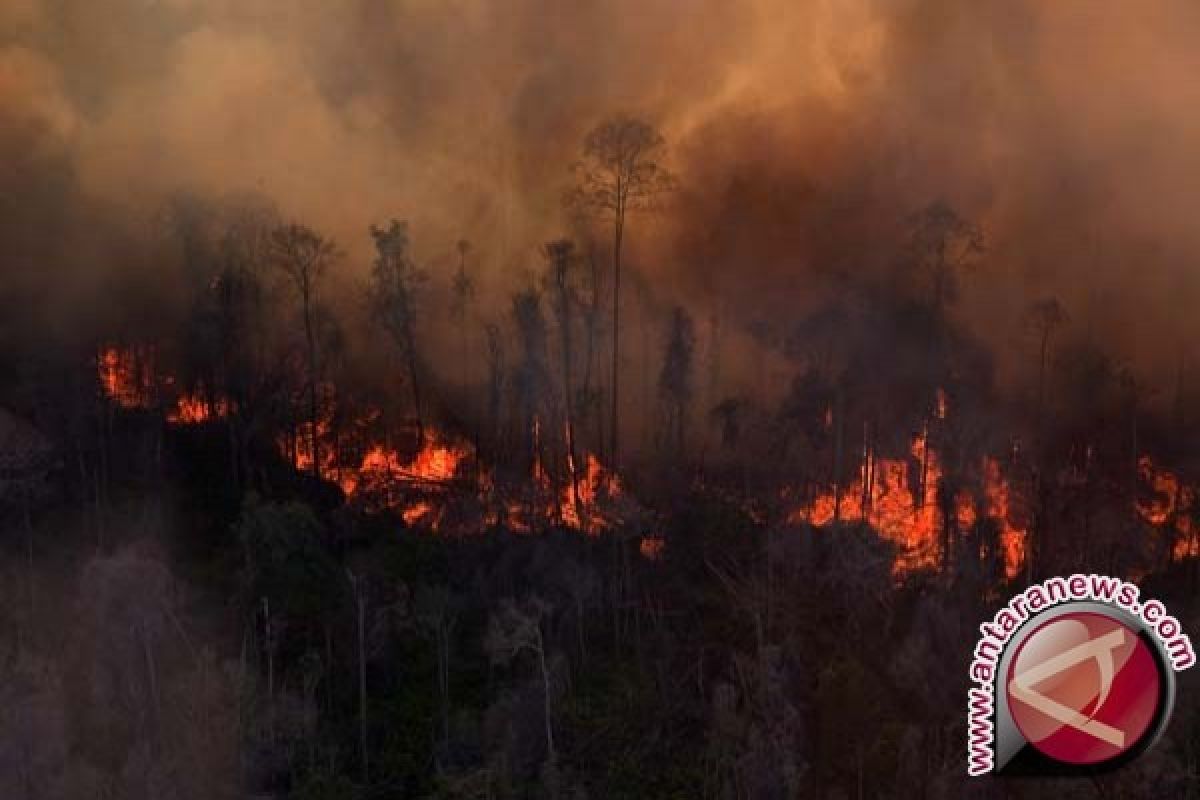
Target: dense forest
690 472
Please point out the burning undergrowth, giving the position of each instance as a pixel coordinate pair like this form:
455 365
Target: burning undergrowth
437 481
933 472
431 478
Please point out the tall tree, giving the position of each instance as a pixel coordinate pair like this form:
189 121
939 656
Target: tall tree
391 296
1043 318
304 255
560 253
589 409
675 380
620 172
496 369
533 387
238 294
515 629
437 614
360 605
464 293
942 244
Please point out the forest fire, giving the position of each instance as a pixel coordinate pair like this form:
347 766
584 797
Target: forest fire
998 496
1169 506
383 474
417 486
581 502
898 497
652 547
127 376
493 400
195 409
884 497
594 486
382 477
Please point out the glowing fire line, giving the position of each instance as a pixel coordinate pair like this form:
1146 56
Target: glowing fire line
891 496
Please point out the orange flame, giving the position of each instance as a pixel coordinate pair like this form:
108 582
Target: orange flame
126 376
388 477
1169 506
898 498
902 513
998 494
299 447
419 512
595 485
652 547
580 499
193 409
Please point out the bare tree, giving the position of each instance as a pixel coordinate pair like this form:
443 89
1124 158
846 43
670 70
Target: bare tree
358 587
26 461
496 371
675 380
581 583
588 412
304 255
239 301
464 293
560 254
535 394
942 244
620 172
516 629
1043 318
437 615
392 299
727 415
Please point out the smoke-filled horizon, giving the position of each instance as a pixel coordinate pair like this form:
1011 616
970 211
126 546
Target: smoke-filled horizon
353 443
802 134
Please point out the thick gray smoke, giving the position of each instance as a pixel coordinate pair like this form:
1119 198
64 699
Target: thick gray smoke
803 134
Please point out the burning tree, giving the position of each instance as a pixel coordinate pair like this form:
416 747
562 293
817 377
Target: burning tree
304 255
532 380
560 254
621 172
391 297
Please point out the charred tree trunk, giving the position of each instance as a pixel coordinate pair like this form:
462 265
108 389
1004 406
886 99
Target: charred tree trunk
311 340
360 603
551 754
837 459
618 236
588 391
414 377
560 252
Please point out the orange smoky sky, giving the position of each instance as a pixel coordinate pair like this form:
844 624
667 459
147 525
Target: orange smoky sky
803 132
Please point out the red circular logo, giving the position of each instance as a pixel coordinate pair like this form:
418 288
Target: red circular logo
1083 688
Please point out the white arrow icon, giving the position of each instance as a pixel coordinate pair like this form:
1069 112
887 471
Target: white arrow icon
1101 649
